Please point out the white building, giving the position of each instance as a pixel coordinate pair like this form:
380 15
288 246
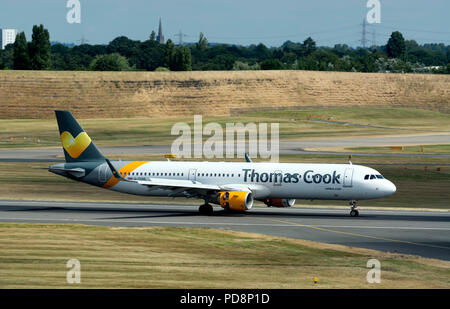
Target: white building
7 36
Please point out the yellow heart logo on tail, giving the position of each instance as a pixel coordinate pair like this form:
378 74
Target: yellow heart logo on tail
75 146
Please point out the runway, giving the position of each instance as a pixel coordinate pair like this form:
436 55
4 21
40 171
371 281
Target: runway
422 233
55 154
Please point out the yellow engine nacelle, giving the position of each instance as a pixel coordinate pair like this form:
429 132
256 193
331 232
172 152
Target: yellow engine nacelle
236 200
279 202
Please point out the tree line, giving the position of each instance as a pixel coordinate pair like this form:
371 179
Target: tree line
121 54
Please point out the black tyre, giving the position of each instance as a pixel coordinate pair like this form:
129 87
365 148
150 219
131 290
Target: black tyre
206 210
354 213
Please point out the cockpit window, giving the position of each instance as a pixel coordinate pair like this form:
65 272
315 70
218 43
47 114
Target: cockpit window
367 177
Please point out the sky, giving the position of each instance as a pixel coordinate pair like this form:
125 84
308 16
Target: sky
242 22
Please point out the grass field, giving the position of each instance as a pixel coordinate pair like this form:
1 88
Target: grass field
35 256
294 124
35 94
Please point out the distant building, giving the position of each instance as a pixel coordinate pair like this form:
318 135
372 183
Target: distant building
7 36
160 36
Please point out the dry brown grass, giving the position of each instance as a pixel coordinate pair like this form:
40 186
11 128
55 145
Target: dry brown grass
35 256
32 94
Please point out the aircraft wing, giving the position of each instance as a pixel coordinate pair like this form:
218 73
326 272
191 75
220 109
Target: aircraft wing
175 183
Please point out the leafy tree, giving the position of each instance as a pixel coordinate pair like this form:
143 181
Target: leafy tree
149 55
309 46
153 36
7 57
169 55
220 62
272 64
183 59
123 46
202 43
262 52
396 47
21 55
110 62
40 56
404 56
291 47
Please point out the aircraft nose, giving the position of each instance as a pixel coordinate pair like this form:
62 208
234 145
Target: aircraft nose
390 188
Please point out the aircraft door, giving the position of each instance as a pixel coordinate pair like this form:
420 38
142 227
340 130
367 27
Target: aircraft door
192 174
348 177
277 178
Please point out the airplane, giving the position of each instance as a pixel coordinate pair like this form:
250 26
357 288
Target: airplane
233 185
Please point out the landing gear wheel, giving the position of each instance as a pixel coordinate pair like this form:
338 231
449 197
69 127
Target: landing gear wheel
206 210
354 213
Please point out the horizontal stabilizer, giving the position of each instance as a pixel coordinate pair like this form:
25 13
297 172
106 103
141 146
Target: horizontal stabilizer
77 172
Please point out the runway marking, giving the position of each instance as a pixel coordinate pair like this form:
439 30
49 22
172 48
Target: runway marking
285 224
355 234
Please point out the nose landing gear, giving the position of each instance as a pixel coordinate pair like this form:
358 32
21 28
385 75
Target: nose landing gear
354 209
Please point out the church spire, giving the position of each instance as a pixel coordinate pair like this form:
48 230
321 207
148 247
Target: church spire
160 36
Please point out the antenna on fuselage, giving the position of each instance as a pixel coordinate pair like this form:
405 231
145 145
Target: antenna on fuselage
350 159
247 158
169 156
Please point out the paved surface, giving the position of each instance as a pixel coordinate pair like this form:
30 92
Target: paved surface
286 147
412 232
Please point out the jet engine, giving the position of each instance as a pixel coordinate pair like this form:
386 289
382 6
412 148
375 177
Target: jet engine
236 200
278 202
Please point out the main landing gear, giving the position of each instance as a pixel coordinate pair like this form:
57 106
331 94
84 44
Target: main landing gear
354 211
206 209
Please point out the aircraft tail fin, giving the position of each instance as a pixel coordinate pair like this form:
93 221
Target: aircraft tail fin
77 145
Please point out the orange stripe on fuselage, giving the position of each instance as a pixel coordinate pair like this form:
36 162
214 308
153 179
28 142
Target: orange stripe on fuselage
126 169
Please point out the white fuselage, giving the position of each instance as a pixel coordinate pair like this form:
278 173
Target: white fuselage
265 180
